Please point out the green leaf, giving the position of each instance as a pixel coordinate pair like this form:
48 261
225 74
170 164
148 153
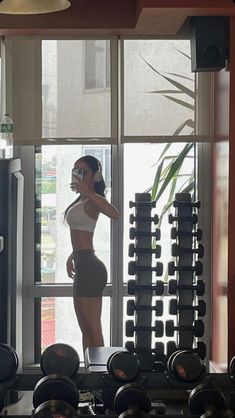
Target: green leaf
174 168
156 180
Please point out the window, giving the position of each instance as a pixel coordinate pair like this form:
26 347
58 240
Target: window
79 124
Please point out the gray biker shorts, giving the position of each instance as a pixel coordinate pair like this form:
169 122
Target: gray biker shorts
90 274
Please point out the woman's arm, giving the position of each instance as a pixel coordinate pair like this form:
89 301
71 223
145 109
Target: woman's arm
103 205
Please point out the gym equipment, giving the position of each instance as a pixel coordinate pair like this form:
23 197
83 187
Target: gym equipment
55 387
8 362
132 307
2 392
198 268
200 349
232 365
123 366
179 234
55 408
154 219
173 286
174 307
132 401
193 218
134 268
130 328
178 203
185 365
197 329
136 250
133 287
133 233
60 358
206 401
177 250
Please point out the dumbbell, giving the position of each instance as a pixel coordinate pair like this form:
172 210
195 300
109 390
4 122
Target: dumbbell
132 401
60 358
158 351
132 307
173 286
136 250
151 203
9 363
178 203
193 218
232 365
130 328
197 268
200 348
197 328
133 287
55 408
123 366
55 387
133 268
185 365
208 401
176 250
176 233
154 219
133 233
2 394
174 306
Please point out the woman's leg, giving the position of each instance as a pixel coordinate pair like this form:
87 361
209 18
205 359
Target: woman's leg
88 312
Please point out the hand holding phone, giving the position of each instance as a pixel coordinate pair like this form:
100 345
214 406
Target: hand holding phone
77 173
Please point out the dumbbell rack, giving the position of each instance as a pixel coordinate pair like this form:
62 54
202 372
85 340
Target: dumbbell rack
142 233
186 267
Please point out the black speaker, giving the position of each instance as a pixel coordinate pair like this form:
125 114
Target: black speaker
209 42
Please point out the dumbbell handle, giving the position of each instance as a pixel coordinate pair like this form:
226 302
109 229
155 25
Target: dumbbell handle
174 307
177 249
176 233
199 287
198 268
193 218
137 218
134 233
138 250
178 203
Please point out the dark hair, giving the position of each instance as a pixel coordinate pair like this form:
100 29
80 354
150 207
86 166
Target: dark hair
99 186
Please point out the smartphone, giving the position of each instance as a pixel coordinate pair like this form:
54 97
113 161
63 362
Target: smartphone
77 173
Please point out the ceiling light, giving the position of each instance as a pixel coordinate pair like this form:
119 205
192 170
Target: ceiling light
30 7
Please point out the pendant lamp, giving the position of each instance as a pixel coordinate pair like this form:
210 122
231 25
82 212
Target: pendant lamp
30 7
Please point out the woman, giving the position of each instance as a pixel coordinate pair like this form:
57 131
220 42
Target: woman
88 272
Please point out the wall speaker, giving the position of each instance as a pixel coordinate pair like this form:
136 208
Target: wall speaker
209 42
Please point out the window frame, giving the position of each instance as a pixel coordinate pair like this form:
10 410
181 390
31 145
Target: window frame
26 152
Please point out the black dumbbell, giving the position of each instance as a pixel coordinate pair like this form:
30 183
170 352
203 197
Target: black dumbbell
2 396
174 306
136 250
133 287
197 328
132 401
197 268
193 218
132 307
200 348
176 250
60 358
178 203
55 408
173 286
133 233
123 366
133 268
130 328
232 365
154 219
208 401
176 233
185 365
8 363
151 203
55 387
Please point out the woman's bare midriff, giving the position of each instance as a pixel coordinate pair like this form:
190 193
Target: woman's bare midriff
81 240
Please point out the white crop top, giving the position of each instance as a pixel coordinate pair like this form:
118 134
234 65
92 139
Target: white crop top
78 219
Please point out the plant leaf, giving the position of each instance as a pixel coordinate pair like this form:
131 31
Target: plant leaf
180 102
188 122
156 180
165 91
174 168
180 76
